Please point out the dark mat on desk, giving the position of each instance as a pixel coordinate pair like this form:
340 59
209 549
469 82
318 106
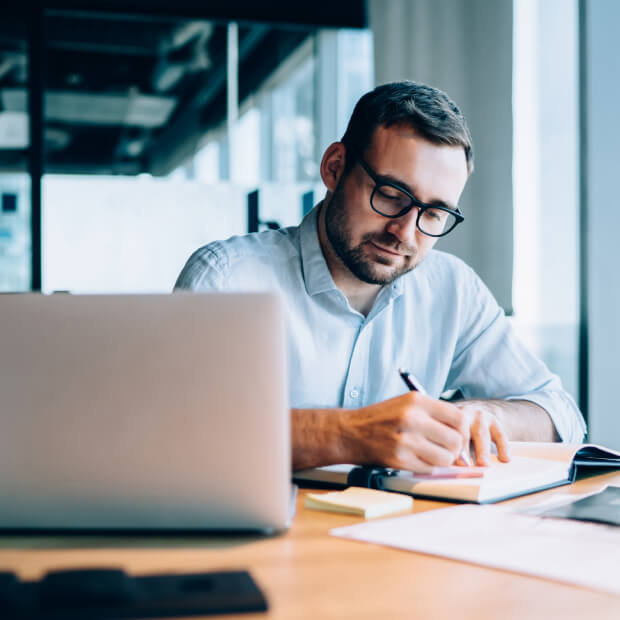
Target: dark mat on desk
112 594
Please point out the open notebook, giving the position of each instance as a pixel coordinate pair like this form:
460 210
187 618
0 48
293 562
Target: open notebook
533 467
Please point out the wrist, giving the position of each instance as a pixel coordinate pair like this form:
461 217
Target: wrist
318 437
353 448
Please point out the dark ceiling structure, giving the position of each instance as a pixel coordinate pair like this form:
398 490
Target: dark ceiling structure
126 86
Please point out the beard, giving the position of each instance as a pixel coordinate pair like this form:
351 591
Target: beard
360 259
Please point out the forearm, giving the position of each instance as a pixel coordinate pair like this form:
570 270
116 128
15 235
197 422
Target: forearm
521 420
317 438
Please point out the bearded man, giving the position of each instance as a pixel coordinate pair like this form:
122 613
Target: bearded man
366 294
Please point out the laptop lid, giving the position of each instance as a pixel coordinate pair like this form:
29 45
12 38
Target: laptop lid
144 411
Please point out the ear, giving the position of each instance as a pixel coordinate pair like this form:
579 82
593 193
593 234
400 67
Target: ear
332 164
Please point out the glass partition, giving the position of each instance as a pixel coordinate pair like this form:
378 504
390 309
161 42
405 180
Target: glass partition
15 240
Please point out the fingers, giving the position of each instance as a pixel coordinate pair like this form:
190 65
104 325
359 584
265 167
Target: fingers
481 438
501 441
416 432
486 430
444 436
447 425
464 459
443 412
443 443
453 430
432 453
461 462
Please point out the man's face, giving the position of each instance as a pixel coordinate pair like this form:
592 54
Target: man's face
376 249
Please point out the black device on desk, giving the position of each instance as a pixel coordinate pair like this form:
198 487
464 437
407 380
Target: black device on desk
105 594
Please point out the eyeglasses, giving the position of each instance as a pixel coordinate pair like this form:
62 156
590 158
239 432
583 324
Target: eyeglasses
391 200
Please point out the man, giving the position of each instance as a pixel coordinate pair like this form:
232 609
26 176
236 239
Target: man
366 294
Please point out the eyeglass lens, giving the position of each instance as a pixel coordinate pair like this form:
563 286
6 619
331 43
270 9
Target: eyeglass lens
390 201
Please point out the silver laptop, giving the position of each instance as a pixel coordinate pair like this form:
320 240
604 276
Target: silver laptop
144 411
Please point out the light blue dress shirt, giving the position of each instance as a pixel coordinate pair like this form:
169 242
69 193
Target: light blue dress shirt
439 321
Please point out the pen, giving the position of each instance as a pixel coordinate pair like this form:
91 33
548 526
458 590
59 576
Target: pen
404 375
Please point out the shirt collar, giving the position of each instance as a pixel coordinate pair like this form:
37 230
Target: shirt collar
317 277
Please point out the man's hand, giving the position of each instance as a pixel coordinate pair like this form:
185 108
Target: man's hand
483 428
415 432
412 432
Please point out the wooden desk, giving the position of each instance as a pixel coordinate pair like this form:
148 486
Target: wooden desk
308 574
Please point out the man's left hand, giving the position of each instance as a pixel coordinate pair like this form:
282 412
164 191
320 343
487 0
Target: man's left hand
484 429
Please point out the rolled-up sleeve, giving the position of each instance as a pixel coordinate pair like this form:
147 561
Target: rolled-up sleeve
490 362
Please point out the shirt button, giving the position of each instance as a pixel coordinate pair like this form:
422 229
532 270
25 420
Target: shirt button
354 393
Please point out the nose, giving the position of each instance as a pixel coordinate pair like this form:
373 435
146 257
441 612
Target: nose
404 227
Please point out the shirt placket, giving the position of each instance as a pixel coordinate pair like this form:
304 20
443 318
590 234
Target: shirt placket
354 389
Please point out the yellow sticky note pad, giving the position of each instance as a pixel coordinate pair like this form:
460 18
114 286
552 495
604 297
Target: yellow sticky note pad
367 503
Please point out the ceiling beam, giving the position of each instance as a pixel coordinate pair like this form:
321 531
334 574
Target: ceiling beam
316 14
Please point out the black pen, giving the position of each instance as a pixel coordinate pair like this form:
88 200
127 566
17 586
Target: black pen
404 375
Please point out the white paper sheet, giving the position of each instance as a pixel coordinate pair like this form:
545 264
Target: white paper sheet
565 550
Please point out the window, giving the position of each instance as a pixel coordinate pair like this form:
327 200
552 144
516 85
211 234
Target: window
546 187
15 236
14 232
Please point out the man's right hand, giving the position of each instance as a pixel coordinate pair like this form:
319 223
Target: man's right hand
413 432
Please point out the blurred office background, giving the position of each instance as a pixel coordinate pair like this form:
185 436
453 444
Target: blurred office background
131 133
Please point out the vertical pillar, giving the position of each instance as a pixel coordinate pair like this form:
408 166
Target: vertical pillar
232 92
253 219
36 83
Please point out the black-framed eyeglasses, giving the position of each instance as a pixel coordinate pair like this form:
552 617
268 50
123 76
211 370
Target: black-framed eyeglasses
391 200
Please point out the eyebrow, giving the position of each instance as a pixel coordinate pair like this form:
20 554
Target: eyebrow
434 203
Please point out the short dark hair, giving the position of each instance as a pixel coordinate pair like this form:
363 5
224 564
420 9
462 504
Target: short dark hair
426 109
